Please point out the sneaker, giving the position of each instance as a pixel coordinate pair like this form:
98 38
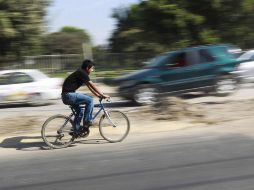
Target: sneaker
75 132
71 132
81 132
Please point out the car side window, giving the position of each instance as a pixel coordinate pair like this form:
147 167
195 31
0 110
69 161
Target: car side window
19 78
178 60
193 57
200 56
205 56
5 79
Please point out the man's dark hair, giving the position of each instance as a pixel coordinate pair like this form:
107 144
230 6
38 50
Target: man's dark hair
87 64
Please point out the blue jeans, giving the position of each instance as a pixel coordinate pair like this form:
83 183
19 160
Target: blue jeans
75 100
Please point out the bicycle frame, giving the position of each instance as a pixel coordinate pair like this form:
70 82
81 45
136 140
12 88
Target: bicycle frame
101 108
60 142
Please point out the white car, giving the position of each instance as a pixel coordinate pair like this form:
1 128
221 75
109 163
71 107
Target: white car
28 86
246 69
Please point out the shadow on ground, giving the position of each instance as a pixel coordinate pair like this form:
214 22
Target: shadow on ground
192 96
19 143
6 106
35 143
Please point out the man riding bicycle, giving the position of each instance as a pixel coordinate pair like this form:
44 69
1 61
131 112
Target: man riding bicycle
70 97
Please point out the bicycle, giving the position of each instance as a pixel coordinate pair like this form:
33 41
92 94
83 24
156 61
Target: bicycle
114 126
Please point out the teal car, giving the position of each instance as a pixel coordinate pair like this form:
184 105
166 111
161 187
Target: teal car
202 68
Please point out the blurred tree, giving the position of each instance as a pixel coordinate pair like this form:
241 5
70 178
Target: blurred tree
229 21
21 27
161 25
68 40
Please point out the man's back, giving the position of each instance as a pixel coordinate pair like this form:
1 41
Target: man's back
74 81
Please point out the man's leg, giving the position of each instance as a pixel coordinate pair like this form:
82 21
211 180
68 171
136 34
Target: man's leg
78 117
88 101
71 99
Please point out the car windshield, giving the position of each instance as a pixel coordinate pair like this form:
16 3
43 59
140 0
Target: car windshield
4 79
246 55
39 75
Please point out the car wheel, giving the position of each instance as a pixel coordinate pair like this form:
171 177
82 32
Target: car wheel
145 95
225 85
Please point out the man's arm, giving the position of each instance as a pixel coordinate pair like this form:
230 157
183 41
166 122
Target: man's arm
92 90
95 90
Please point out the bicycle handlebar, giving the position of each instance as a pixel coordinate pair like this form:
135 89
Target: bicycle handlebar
107 99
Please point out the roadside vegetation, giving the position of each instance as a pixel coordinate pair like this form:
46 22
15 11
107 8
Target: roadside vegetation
147 28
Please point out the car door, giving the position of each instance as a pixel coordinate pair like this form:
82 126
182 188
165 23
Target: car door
202 68
5 81
20 86
197 71
175 73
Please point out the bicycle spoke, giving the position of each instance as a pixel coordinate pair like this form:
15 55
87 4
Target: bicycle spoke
114 127
61 125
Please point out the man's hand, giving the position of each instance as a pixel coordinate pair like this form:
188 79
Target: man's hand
104 96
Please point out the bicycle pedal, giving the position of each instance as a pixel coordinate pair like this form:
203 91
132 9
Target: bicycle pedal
85 134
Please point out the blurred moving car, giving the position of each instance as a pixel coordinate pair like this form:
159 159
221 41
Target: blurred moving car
203 68
28 86
246 69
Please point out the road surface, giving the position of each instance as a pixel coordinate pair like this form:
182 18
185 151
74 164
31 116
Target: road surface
201 158
196 158
244 93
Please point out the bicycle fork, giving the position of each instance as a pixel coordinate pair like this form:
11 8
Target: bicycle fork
109 119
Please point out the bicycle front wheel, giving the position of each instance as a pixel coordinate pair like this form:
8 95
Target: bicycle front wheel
114 126
55 131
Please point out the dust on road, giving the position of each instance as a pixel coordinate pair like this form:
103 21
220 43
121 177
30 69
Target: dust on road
176 109
170 110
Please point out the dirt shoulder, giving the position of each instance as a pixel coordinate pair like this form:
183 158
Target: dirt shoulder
207 112
171 114
22 132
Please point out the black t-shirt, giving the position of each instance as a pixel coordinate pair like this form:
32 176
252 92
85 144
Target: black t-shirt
75 80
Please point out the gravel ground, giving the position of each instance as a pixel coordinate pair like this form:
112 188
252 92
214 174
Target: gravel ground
172 110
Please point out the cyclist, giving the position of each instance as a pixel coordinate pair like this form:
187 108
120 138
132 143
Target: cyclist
71 97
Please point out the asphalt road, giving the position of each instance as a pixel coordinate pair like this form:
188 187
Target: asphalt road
217 157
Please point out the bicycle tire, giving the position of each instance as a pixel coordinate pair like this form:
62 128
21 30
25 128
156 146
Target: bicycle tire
55 133
120 130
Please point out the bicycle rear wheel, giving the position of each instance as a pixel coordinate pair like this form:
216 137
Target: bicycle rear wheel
55 131
114 128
